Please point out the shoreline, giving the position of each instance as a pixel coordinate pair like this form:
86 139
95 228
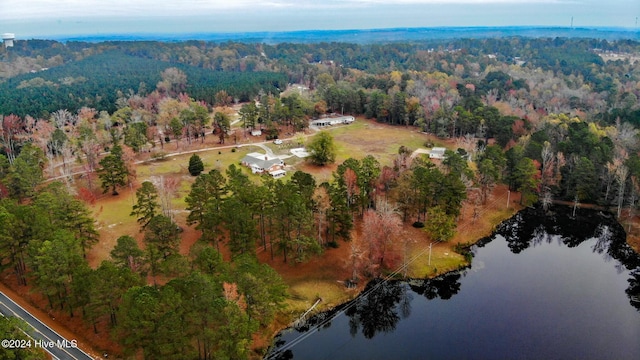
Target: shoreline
558 212
445 258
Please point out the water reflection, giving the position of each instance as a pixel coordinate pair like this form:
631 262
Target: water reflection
384 303
443 287
377 310
531 227
382 306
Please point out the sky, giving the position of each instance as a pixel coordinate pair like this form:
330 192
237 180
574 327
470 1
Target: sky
42 18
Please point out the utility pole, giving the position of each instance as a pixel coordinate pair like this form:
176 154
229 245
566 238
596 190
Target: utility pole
508 197
430 253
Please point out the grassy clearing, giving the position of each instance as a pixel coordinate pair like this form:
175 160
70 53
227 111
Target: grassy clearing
443 256
116 210
365 137
304 293
178 165
443 260
111 214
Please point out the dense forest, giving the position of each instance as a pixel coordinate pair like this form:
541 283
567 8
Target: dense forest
554 119
89 68
96 81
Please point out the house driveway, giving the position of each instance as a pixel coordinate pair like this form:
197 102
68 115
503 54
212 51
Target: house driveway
263 147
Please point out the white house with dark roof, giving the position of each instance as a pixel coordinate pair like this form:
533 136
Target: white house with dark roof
261 163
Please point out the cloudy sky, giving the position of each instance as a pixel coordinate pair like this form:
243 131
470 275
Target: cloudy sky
33 18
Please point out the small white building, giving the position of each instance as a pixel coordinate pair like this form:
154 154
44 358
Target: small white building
329 121
300 152
277 173
437 153
256 132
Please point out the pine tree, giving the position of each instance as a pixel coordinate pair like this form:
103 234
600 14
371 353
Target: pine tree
26 172
113 172
195 165
147 204
162 240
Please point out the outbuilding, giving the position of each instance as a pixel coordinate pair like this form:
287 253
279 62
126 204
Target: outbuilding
437 153
277 173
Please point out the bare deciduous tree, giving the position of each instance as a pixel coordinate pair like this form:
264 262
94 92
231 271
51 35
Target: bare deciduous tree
381 228
63 118
10 127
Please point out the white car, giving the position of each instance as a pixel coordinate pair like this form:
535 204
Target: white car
277 142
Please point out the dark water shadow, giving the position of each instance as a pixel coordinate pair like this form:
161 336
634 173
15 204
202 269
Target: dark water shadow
533 226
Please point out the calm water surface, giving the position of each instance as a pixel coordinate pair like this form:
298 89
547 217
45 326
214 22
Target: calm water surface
540 288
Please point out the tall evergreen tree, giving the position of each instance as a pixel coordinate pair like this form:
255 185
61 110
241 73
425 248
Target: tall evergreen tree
339 217
195 165
127 254
146 205
63 211
248 115
109 283
54 263
113 171
292 222
262 286
26 172
527 178
241 226
161 240
440 225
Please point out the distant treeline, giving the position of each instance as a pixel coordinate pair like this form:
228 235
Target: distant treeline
572 54
97 80
91 74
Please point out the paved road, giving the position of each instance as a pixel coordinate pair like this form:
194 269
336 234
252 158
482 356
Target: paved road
47 338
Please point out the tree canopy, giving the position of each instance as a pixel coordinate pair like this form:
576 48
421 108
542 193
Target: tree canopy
322 148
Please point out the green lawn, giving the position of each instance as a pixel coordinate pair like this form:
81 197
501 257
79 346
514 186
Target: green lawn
366 137
177 165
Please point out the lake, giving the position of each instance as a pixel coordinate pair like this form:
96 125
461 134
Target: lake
541 287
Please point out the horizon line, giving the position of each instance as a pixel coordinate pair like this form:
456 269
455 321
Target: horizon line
181 34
